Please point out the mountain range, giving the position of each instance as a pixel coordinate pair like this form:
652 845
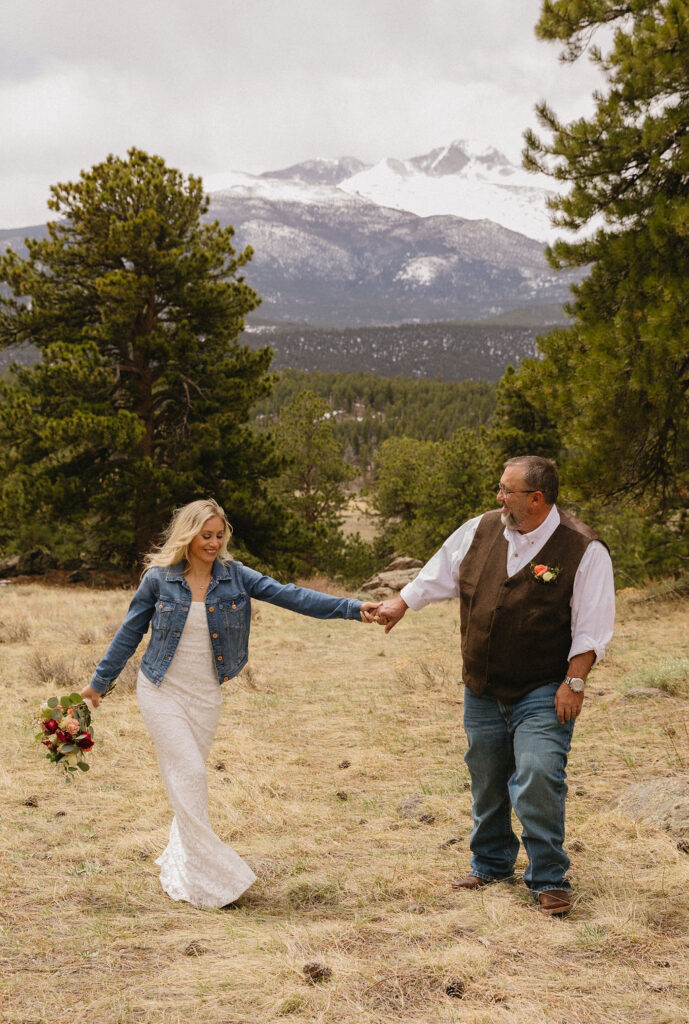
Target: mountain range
453 235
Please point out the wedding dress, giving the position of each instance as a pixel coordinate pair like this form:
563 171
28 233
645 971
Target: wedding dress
182 717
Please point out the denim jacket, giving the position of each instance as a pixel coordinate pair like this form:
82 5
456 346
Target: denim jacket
163 599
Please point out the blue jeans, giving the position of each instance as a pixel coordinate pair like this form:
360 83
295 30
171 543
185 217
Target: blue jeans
517 757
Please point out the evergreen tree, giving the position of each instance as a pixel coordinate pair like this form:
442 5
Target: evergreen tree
616 381
425 490
312 481
142 398
521 422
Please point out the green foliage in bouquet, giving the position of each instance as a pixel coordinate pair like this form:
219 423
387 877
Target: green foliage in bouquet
66 730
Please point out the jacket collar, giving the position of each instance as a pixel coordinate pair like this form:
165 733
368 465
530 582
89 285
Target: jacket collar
220 571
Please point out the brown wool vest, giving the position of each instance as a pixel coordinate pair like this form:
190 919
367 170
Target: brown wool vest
517 632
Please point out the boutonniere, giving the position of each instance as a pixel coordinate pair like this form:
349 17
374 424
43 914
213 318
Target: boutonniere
545 573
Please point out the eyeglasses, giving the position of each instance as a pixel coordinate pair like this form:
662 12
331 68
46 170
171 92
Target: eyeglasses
505 493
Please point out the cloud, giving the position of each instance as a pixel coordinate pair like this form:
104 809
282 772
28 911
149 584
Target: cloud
219 85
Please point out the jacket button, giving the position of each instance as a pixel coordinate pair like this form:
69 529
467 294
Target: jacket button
220 657
215 636
211 609
225 679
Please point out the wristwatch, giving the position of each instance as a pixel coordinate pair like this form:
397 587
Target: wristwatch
575 684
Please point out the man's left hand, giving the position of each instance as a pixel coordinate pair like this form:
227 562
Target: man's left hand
568 704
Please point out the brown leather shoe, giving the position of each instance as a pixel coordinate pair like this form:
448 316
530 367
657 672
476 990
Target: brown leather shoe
475 882
555 901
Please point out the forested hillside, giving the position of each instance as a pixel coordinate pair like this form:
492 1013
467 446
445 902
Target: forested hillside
452 351
368 408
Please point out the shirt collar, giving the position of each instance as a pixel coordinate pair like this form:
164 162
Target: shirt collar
538 536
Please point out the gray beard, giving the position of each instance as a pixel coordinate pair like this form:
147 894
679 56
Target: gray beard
507 519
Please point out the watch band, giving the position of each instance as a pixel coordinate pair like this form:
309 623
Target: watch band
575 683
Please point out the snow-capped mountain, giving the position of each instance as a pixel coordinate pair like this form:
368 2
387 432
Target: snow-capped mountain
461 180
449 235
464 179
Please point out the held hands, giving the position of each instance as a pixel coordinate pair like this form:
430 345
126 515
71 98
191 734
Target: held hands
390 612
369 610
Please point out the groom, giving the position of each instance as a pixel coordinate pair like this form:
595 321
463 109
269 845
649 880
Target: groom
537 607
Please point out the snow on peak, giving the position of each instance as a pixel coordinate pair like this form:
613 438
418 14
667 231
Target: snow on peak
463 179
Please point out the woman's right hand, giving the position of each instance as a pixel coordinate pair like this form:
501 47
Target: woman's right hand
93 695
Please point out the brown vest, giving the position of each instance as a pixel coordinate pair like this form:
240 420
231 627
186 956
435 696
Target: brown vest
517 632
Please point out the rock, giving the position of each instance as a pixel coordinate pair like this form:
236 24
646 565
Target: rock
344 764
455 988
35 562
663 803
70 564
402 562
8 566
387 584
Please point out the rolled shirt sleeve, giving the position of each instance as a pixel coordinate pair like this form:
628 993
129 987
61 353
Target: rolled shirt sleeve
593 602
439 578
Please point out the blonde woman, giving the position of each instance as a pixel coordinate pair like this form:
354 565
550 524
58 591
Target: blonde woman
198 603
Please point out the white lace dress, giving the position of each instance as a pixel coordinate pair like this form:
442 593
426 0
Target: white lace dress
182 717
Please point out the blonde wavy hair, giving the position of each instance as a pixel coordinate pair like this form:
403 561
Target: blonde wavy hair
186 522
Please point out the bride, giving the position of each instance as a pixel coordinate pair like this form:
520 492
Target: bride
197 601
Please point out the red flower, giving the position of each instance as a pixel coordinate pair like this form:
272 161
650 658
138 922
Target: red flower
47 743
85 741
63 737
50 725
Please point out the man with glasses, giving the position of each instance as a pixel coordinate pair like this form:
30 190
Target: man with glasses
537 608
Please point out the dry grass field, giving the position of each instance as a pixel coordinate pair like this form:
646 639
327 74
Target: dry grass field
338 774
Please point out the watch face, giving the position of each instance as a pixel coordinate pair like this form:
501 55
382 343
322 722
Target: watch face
577 685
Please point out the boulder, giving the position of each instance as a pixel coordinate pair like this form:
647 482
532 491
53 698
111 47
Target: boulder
403 562
387 584
35 562
662 803
8 566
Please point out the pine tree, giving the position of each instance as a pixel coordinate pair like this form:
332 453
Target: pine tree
311 484
141 399
617 379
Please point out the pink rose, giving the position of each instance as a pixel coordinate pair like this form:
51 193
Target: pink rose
540 569
72 727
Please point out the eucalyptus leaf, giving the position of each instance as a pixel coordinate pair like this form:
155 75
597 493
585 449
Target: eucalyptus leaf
75 698
52 702
67 748
84 767
66 702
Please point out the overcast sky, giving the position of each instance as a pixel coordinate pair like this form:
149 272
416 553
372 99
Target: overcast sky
219 85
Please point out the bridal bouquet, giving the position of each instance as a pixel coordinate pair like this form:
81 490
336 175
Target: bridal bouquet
66 732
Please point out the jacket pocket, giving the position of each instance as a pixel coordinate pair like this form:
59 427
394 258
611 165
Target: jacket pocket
162 616
235 613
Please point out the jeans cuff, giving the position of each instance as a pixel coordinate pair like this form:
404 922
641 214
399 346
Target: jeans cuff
562 887
491 878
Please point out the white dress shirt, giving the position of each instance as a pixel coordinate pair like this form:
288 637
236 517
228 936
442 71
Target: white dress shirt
593 596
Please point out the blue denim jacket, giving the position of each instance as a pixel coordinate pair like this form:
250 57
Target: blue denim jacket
163 600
